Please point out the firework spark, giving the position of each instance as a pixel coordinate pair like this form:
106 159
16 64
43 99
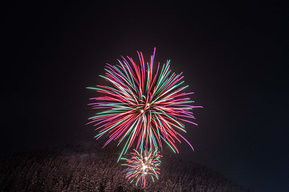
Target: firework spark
144 105
142 165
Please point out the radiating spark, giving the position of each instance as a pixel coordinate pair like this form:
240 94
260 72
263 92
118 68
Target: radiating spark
143 106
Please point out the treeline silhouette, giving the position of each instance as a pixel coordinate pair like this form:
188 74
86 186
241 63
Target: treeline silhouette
84 169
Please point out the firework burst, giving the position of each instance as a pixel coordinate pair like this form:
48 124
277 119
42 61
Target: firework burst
143 106
142 165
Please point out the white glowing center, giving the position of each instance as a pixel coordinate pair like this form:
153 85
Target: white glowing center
144 167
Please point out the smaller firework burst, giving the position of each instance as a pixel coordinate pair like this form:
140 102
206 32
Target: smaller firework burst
142 165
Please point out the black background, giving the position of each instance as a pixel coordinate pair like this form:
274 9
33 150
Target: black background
234 55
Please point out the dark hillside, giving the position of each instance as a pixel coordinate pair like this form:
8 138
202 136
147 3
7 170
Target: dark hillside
83 169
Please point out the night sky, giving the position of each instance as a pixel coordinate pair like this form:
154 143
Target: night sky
233 55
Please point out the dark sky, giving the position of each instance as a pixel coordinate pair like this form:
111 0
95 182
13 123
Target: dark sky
233 55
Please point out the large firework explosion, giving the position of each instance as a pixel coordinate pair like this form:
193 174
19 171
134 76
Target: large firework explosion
144 105
142 165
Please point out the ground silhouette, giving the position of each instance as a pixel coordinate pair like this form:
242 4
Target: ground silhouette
82 168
